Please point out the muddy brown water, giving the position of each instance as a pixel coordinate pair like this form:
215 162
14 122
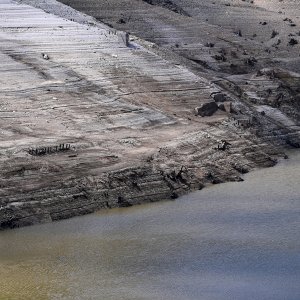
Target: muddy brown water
229 241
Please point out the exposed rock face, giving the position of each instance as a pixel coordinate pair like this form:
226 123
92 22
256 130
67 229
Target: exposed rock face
125 107
206 109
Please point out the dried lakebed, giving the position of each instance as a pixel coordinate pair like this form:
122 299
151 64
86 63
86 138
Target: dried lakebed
89 121
229 241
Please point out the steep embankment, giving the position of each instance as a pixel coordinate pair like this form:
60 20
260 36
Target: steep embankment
89 121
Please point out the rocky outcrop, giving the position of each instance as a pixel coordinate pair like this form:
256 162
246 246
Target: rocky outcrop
161 178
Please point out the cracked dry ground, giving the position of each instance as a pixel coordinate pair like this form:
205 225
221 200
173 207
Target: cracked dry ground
128 111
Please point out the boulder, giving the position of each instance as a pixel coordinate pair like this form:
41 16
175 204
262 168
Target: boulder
219 97
225 106
293 42
206 109
221 106
228 106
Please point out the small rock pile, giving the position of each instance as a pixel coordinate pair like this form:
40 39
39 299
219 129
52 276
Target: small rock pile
221 101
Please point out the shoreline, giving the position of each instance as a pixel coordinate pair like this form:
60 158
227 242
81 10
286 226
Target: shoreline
239 236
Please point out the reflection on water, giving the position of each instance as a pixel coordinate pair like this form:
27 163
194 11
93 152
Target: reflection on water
230 241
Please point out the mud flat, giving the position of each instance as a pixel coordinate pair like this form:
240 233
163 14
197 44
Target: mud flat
90 120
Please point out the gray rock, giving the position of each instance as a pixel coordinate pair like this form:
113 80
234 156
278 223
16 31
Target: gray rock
206 109
221 106
228 106
219 97
45 56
